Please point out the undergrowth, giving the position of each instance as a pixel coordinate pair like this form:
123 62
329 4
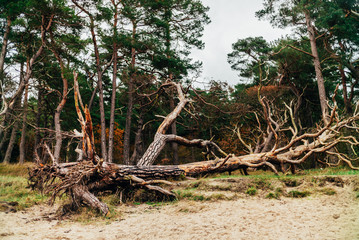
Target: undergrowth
14 189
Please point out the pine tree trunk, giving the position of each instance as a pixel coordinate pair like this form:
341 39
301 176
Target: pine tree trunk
11 143
102 107
174 132
99 81
317 67
348 107
127 135
23 131
4 138
138 147
16 124
58 134
113 95
38 121
12 140
4 48
113 105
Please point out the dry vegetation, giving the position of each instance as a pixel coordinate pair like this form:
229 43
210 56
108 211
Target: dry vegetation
208 206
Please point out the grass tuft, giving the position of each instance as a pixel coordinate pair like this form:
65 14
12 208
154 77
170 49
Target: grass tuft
298 194
328 191
251 191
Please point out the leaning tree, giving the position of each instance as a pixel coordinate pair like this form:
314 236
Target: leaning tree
84 179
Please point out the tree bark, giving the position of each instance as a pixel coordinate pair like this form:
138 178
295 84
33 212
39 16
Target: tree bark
348 107
24 124
113 95
317 67
16 121
127 135
174 132
11 143
15 128
138 147
160 138
4 138
100 90
4 48
38 121
58 134
80 192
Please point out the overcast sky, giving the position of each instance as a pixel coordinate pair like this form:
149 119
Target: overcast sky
231 20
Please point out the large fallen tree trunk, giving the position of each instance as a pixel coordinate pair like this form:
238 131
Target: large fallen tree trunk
82 179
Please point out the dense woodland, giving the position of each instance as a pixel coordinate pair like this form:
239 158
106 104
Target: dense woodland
125 51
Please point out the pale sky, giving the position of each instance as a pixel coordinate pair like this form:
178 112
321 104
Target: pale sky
231 20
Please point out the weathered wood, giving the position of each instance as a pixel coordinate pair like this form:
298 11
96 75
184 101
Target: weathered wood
80 192
160 138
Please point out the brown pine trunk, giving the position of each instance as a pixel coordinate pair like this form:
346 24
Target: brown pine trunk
317 67
12 140
100 90
16 124
99 81
24 124
127 135
174 132
4 47
355 73
138 147
4 138
113 95
11 143
348 107
38 121
58 134
113 105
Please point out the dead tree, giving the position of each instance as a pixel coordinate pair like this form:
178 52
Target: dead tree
83 179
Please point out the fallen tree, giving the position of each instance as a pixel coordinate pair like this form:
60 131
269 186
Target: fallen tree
83 179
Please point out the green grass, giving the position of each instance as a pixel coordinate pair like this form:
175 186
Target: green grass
19 170
251 191
272 195
260 174
298 194
340 170
14 189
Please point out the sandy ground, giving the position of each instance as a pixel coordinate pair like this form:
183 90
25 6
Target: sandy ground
314 217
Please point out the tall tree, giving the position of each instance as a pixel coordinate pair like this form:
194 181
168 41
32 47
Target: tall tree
114 80
93 27
299 13
179 26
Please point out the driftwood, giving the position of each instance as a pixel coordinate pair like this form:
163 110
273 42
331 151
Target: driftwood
81 180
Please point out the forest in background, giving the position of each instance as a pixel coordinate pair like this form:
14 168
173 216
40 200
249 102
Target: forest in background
124 50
